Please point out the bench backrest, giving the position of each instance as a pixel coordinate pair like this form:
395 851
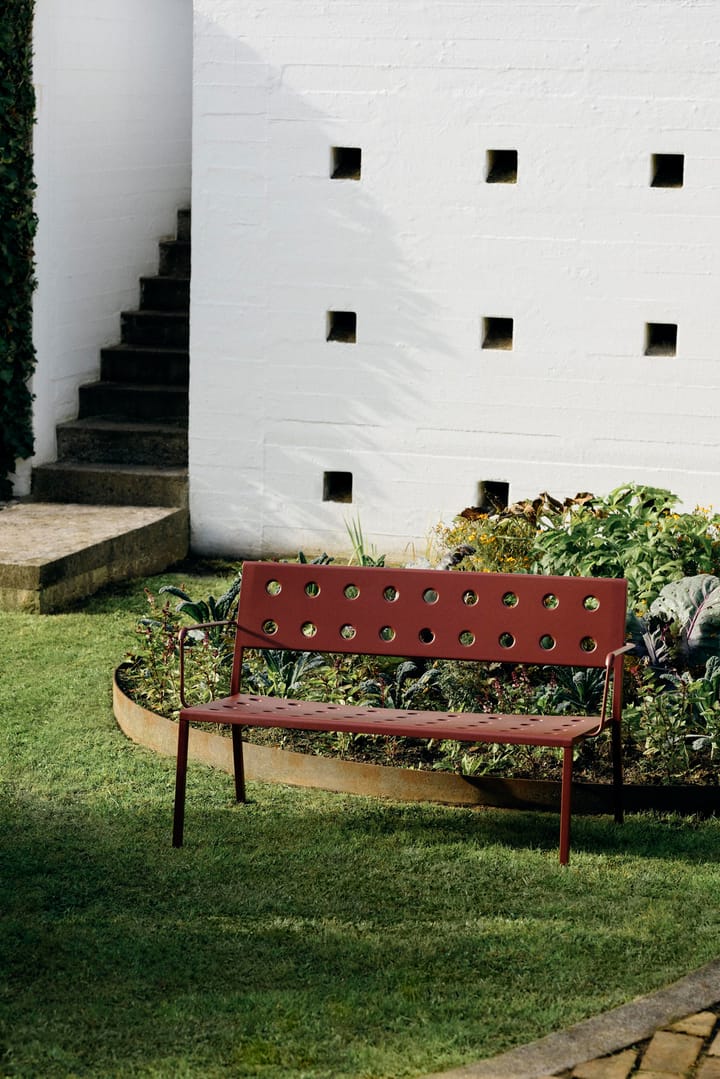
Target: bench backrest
440 614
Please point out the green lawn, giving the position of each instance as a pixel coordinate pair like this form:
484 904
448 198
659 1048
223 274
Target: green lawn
305 934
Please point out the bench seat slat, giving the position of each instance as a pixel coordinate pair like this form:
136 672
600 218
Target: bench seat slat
253 710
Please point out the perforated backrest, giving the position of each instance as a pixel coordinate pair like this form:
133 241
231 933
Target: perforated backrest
516 618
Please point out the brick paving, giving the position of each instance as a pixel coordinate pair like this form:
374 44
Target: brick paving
686 1049
643 1039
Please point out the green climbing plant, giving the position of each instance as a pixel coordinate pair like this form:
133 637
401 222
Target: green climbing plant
17 281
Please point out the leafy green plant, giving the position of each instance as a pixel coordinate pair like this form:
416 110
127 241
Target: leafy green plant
152 673
682 626
278 672
320 560
575 690
479 760
661 730
17 354
210 609
466 687
705 699
208 651
409 686
674 719
634 533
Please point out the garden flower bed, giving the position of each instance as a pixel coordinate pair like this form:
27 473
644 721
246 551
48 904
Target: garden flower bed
672 714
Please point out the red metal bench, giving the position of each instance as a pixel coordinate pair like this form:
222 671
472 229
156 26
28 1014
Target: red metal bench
517 618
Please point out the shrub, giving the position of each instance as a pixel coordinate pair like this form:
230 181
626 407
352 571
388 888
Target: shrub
636 533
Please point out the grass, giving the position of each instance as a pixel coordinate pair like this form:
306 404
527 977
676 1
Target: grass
306 935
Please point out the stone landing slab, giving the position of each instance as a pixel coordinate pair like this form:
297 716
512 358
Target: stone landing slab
52 554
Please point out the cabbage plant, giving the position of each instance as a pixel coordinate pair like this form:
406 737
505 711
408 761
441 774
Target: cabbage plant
682 626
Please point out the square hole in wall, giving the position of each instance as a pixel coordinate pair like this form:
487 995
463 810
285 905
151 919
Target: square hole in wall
497 333
337 486
342 326
667 170
660 338
501 167
345 162
493 495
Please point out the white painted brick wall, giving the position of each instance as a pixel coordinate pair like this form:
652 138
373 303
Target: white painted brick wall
581 253
112 161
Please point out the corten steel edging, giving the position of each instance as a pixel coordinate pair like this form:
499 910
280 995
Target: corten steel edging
272 765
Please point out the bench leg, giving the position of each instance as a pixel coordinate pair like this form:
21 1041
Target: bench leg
238 764
180 782
566 805
617 763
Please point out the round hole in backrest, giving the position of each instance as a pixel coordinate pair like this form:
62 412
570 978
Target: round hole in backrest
588 644
390 593
387 633
466 638
430 595
469 598
506 640
351 591
546 642
273 588
269 627
312 588
591 603
510 599
347 632
426 636
308 629
550 601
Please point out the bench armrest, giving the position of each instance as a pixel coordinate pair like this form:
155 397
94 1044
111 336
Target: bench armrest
181 646
610 659
629 647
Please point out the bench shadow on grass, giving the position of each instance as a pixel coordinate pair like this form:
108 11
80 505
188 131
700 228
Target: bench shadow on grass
334 916
646 835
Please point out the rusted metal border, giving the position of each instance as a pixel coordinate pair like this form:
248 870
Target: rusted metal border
273 765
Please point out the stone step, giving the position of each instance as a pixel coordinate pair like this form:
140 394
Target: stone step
53 554
132 363
128 400
174 258
100 439
113 485
165 293
157 329
183 224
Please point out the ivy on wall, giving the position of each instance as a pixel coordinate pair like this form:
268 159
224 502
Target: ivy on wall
17 231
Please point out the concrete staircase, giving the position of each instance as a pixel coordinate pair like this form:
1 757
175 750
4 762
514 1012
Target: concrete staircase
128 445
114 504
